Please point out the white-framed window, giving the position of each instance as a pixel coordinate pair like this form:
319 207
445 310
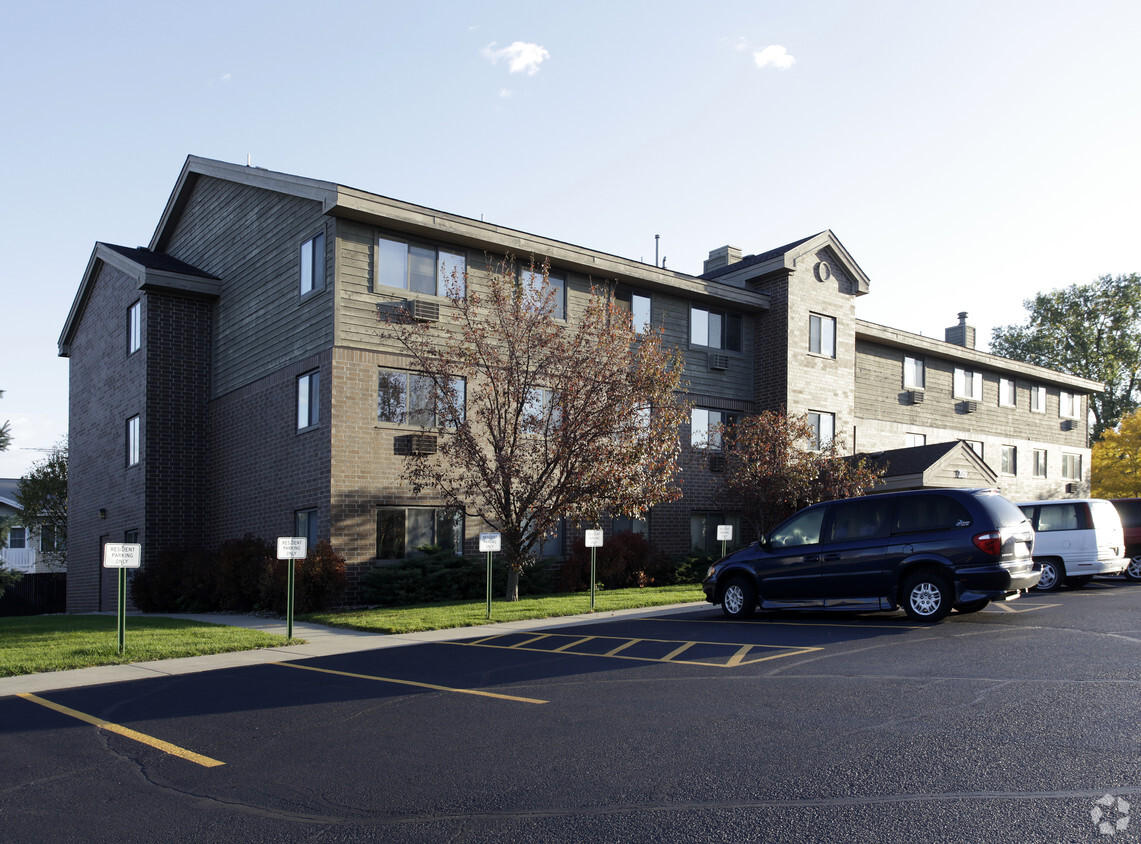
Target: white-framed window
1007 393
914 373
968 384
134 327
1069 405
134 441
911 440
822 335
1037 399
1009 460
638 305
308 400
715 329
406 398
703 427
1039 462
17 537
541 412
555 286
313 264
420 268
823 428
976 446
400 531
1072 467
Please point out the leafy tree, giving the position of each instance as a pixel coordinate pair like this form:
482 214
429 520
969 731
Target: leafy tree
1116 460
772 469
42 496
5 432
1090 330
567 418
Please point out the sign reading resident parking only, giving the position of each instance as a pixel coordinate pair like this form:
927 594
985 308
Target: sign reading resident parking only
724 532
291 547
490 542
122 555
593 539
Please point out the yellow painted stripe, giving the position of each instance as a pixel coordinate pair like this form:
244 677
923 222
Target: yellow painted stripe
572 644
135 735
412 683
530 641
735 660
623 646
678 651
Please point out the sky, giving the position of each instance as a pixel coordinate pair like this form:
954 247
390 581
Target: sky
968 155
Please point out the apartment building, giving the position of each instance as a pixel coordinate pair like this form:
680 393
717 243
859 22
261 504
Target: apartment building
227 378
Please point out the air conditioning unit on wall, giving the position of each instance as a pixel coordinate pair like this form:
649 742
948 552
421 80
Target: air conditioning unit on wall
423 444
423 311
970 407
915 396
718 361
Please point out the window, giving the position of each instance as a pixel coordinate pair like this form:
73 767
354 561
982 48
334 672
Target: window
540 412
402 530
1069 405
134 328
131 536
968 384
1038 399
1009 465
866 518
822 335
1039 462
913 440
1072 467
716 329
641 525
308 400
552 544
976 446
923 513
703 531
1007 395
555 288
823 428
405 398
17 538
50 541
305 524
637 305
313 264
420 269
801 529
914 374
703 427
133 441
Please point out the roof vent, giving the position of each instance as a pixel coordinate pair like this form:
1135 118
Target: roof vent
961 334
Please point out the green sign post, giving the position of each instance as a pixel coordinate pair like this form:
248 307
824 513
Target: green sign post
489 542
122 556
290 548
593 542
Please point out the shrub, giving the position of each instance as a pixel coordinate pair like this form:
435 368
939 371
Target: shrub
240 572
317 580
9 577
625 559
178 581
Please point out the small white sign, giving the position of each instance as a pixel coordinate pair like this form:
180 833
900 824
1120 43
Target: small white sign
594 539
490 541
292 547
122 555
724 532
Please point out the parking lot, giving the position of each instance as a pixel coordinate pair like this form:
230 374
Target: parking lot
1010 724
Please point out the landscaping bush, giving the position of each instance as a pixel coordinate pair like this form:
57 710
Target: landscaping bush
317 580
178 581
625 559
241 566
434 575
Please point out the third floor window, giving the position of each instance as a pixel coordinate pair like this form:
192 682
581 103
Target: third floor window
419 268
716 329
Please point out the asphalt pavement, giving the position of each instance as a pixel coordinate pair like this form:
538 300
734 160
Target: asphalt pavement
320 640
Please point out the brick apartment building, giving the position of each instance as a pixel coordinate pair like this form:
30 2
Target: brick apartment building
224 380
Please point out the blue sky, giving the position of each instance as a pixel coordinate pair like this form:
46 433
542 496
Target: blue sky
968 155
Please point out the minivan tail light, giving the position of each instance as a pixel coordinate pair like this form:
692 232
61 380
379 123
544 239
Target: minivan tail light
989 542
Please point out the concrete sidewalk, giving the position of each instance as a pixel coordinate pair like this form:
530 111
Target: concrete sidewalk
320 641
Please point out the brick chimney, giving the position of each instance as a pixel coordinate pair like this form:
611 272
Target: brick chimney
722 257
961 334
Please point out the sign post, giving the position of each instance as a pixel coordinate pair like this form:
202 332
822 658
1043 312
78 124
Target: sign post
489 542
122 556
290 548
593 542
724 533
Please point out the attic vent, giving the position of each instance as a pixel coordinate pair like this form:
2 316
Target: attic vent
423 311
718 361
423 444
915 396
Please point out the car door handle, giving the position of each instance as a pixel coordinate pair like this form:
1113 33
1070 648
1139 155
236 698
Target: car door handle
830 557
812 558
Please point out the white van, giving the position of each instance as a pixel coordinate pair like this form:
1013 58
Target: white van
1074 539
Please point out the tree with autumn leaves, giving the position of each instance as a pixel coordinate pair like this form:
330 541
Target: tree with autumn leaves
540 418
1116 460
773 467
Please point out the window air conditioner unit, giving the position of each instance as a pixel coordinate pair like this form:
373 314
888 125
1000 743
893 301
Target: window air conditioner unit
1071 487
718 361
423 444
916 396
717 463
1067 424
970 407
423 311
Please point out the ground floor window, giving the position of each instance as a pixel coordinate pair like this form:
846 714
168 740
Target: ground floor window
1072 467
634 525
305 524
703 531
400 531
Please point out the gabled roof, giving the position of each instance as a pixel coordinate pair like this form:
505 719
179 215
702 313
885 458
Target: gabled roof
8 492
151 270
788 257
931 466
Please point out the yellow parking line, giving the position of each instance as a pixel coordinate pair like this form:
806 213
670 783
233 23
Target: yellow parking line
572 644
678 651
143 738
735 660
628 643
411 683
531 641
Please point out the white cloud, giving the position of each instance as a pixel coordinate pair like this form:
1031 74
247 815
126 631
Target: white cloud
225 77
742 44
506 93
774 56
522 57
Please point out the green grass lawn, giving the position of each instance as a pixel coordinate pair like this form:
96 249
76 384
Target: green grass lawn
32 644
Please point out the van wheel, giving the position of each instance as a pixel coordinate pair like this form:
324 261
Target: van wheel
1133 570
739 598
926 597
1053 574
972 606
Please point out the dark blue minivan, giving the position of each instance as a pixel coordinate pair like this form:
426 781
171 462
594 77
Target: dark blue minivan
926 550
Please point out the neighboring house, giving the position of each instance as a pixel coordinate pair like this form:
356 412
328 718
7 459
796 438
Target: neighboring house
226 379
27 551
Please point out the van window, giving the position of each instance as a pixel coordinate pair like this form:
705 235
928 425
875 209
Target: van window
801 529
1061 517
862 519
921 513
